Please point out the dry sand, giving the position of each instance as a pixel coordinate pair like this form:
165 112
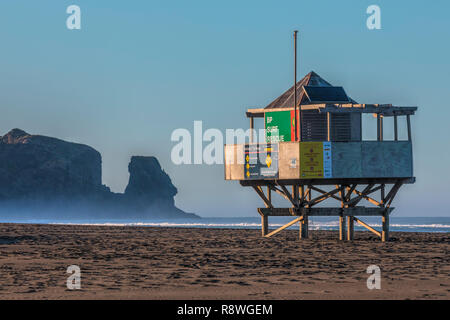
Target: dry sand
179 263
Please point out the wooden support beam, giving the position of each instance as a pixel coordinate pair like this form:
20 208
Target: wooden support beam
327 182
325 193
323 212
381 128
341 215
384 218
262 196
278 212
395 128
288 195
349 192
391 195
408 122
281 193
341 227
287 225
303 195
322 197
264 225
391 192
304 226
366 189
350 228
365 225
252 124
385 109
295 195
378 127
364 195
385 230
265 218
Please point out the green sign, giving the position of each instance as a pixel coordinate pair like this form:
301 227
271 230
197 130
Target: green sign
278 126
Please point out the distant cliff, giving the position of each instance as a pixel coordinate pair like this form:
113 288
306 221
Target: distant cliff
47 173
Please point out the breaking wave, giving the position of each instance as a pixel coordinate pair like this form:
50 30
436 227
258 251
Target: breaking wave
314 225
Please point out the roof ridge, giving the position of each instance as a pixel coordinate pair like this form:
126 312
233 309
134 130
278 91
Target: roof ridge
285 99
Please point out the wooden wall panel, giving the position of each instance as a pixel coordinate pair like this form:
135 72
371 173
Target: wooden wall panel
234 162
289 160
346 159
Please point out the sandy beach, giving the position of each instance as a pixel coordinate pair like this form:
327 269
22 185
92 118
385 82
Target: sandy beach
182 263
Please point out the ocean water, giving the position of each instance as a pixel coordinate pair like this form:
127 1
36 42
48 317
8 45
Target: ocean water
408 224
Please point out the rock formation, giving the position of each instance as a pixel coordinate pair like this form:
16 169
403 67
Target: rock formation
39 169
146 181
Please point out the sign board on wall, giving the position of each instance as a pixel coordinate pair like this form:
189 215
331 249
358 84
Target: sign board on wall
327 160
261 161
280 126
315 160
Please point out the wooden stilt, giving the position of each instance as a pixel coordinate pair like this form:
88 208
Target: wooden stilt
304 225
264 225
341 227
378 127
385 231
300 229
395 129
408 122
350 228
384 218
341 216
295 194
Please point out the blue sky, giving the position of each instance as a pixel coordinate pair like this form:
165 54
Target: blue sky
138 70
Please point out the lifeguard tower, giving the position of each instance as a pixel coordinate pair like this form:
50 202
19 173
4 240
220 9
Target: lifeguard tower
314 152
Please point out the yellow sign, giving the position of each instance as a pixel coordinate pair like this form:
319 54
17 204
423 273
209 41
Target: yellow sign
268 160
311 160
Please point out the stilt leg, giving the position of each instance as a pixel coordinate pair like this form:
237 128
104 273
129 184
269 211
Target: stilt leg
385 231
264 218
350 228
341 227
264 225
341 217
304 228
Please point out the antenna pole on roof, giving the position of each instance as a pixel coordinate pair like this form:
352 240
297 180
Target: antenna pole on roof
295 85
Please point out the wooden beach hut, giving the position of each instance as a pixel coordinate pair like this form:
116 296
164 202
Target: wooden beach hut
314 153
